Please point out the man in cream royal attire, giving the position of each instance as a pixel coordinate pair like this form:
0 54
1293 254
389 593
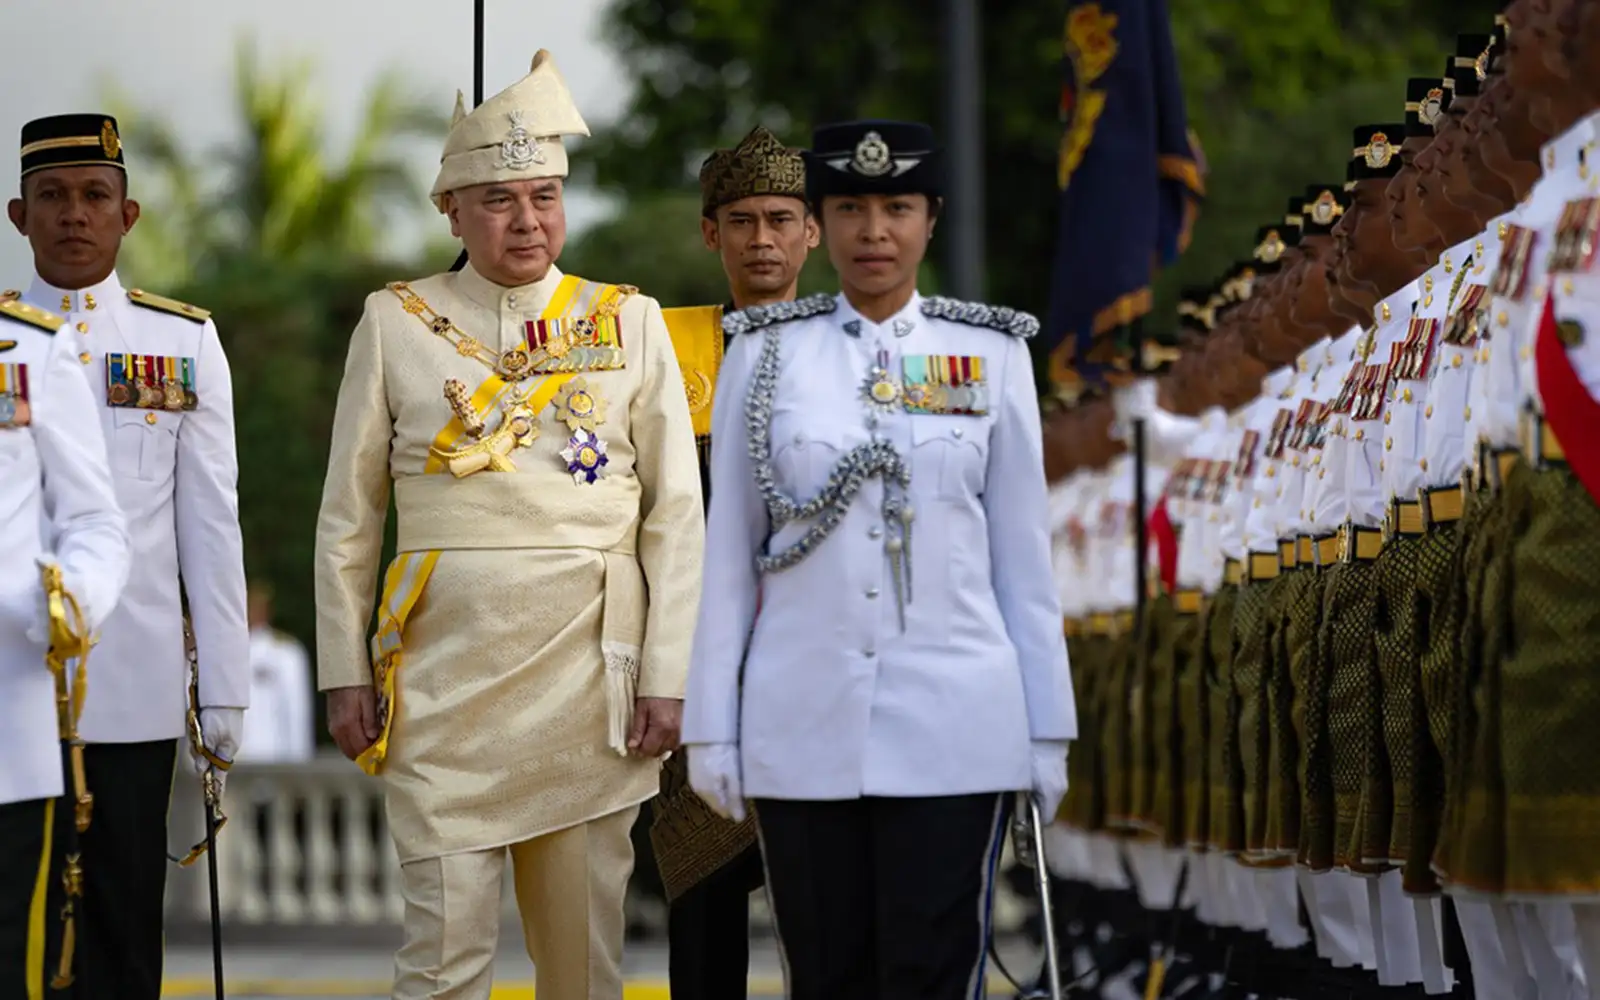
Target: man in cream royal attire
166 405
534 629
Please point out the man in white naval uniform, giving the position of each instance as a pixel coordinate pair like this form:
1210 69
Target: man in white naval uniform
57 505
166 405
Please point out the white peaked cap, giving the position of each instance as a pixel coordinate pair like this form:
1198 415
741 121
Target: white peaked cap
513 136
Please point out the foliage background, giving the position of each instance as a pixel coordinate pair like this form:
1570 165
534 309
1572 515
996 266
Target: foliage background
283 242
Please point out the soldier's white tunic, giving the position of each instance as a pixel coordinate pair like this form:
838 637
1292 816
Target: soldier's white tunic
176 475
837 701
56 501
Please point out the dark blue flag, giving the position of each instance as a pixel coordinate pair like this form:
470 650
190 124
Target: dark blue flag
1130 177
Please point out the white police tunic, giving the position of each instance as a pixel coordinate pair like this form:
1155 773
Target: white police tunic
916 649
175 471
56 501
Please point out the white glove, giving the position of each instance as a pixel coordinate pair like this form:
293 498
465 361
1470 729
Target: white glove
714 775
1049 776
37 620
221 729
1134 402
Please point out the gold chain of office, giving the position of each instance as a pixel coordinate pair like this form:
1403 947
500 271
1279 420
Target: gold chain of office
515 364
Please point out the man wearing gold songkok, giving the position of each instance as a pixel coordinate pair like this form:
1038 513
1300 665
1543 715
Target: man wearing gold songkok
534 628
754 216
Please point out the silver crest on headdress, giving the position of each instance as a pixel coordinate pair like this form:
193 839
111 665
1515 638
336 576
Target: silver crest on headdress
520 150
872 158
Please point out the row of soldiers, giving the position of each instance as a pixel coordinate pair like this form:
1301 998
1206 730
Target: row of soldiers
1347 742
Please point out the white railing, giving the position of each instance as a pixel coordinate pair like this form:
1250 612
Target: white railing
307 846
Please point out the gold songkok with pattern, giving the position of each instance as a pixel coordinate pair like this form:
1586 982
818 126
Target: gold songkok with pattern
761 164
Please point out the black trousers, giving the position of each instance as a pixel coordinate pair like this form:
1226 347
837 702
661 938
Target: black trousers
708 933
22 925
883 899
124 859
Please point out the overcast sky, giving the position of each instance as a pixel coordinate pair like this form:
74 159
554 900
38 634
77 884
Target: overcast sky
175 57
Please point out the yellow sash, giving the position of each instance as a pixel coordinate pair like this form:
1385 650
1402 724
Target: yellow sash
696 333
408 574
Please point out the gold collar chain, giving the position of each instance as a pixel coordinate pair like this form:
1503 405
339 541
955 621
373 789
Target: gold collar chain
517 363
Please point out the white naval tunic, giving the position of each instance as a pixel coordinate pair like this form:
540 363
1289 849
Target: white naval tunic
1498 388
825 694
278 729
1412 403
175 474
1363 483
56 500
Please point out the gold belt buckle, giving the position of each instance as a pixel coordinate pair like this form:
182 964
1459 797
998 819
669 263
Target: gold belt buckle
1346 542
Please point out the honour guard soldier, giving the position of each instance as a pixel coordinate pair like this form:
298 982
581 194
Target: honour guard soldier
167 415
907 671
534 630
754 215
61 519
1535 571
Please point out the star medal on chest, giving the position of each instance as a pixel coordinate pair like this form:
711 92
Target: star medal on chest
579 406
585 455
880 390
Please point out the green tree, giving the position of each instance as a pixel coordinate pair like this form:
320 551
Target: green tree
276 193
1273 88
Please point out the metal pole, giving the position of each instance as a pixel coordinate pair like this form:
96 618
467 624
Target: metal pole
477 52
1141 531
964 222
477 85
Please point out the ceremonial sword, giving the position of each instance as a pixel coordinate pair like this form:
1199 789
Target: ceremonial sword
477 86
69 640
1027 842
211 786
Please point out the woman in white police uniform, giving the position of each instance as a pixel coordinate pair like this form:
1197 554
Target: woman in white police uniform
878 480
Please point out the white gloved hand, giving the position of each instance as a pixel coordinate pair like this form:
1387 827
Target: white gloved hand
38 609
222 729
1134 402
1049 776
714 775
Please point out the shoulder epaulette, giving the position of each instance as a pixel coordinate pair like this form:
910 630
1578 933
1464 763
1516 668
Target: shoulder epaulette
1003 318
140 297
24 313
758 317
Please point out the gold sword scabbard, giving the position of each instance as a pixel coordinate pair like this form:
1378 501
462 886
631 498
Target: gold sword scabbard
70 643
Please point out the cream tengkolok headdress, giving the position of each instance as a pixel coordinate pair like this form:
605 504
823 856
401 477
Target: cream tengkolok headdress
513 136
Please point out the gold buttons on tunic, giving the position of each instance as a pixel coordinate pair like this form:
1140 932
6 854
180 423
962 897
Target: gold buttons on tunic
1386 418
1427 411
1455 361
1501 318
83 327
150 418
1388 444
86 357
1424 464
1406 395
1468 413
1360 433
88 300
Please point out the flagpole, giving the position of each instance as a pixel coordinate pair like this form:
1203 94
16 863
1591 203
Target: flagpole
1141 530
963 100
477 85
